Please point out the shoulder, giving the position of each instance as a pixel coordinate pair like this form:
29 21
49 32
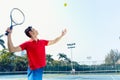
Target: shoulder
45 42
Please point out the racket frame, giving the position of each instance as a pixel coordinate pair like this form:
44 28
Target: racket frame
12 20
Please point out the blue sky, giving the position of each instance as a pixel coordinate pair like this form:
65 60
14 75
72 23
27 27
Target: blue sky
94 25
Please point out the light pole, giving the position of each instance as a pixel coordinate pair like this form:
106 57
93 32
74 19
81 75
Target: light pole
71 46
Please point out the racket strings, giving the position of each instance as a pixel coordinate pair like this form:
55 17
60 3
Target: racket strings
17 17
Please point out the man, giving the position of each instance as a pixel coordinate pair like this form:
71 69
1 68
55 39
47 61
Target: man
35 49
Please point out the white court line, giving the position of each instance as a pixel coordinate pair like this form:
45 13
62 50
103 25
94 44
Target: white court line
112 77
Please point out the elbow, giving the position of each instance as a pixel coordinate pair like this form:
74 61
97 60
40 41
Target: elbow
11 50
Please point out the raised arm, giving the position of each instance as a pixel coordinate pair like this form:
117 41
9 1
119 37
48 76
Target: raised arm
51 42
11 47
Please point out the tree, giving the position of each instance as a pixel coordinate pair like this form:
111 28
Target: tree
2 43
63 57
6 61
49 59
112 57
20 63
10 62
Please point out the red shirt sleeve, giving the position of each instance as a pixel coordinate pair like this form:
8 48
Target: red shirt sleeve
23 45
45 42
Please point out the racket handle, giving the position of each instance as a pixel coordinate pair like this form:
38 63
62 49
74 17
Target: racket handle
7 31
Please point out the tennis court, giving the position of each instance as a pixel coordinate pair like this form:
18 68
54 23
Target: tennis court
65 77
84 77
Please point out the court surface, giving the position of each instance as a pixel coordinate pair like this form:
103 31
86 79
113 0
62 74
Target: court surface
64 77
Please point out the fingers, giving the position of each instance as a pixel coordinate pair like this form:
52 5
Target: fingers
9 30
64 32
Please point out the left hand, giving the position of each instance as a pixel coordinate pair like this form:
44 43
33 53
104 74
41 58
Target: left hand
64 32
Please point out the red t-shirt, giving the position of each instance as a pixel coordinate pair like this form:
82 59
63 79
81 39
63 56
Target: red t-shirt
36 53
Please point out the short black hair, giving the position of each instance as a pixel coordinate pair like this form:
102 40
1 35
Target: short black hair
27 31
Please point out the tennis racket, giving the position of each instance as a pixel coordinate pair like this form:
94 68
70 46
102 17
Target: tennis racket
17 17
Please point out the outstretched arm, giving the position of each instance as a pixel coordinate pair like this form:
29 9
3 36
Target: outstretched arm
51 42
11 47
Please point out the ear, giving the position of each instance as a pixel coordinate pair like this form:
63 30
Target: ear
30 32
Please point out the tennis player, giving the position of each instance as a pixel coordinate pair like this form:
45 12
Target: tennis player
35 49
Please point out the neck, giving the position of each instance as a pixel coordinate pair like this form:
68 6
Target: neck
34 38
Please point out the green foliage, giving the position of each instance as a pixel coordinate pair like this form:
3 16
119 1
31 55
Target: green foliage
112 57
10 62
62 64
21 63
2 43
49 59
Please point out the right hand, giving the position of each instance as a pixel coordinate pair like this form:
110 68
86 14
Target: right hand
9 30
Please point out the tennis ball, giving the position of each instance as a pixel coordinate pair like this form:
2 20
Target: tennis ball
65 4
